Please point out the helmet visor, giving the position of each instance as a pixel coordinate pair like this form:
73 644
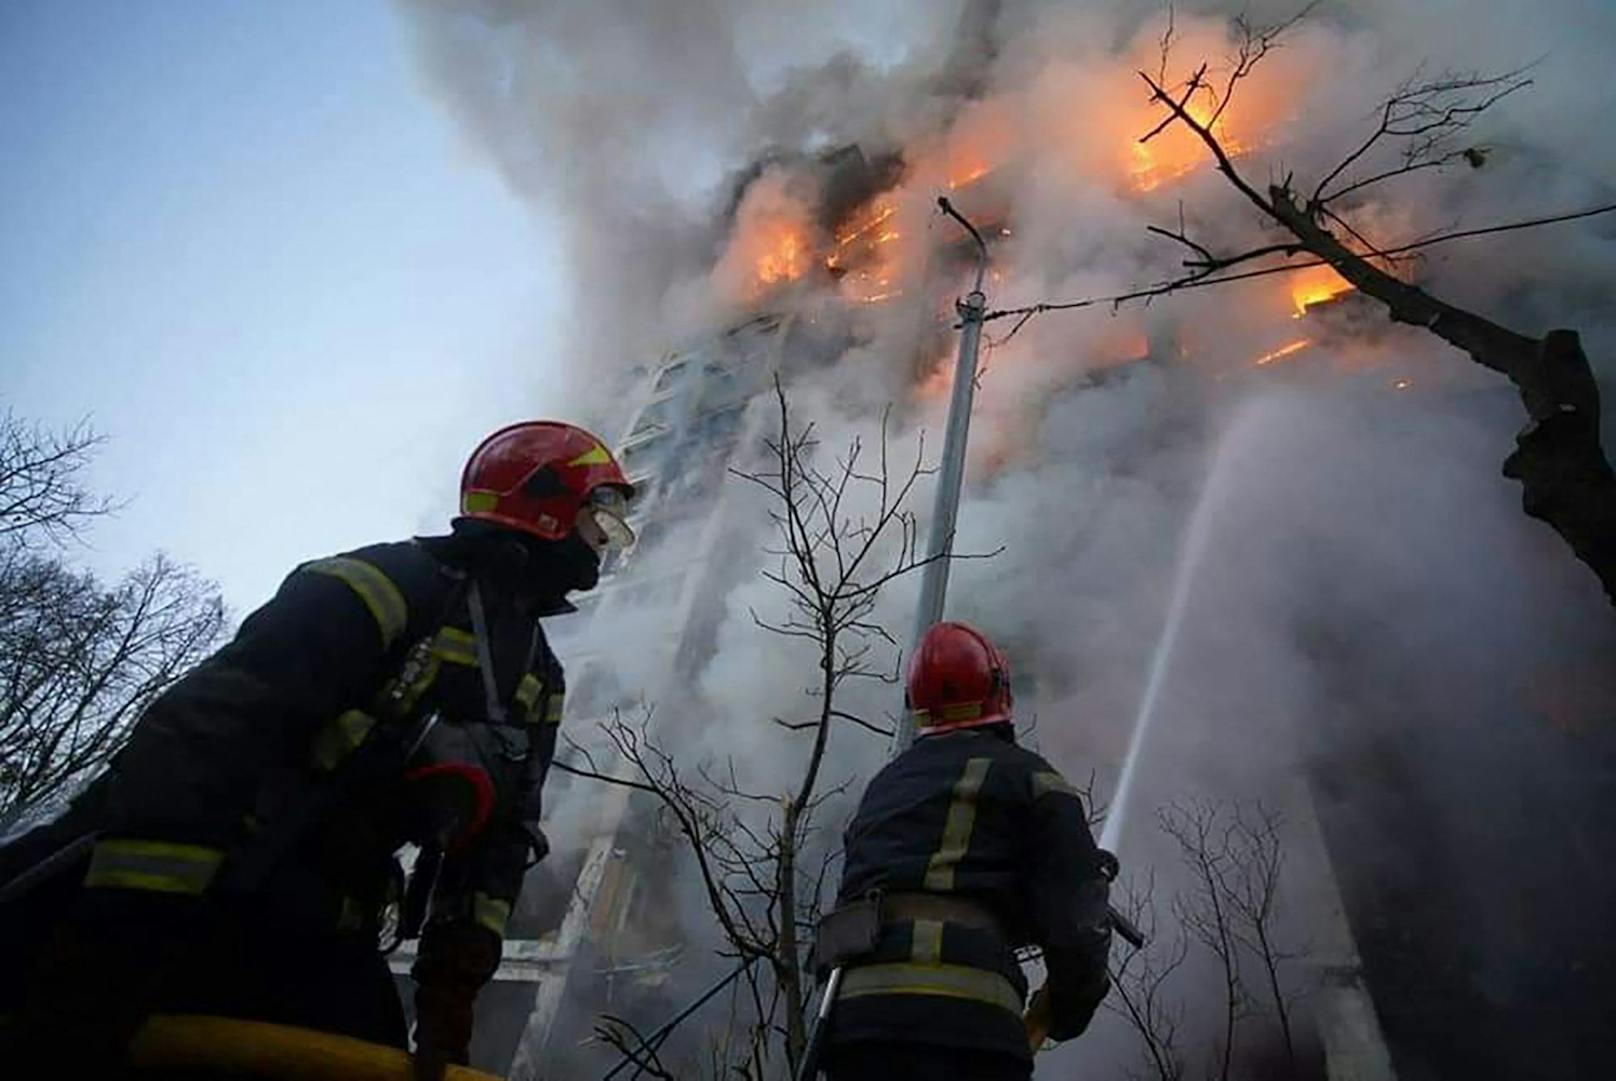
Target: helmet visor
607 510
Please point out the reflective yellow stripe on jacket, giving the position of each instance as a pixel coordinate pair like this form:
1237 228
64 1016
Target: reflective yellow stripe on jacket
528 692
341 737
490 912
455 646
377 590
158 866
1046 782
944 981
957 827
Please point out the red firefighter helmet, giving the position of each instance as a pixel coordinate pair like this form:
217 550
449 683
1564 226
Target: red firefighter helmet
540 475
957 679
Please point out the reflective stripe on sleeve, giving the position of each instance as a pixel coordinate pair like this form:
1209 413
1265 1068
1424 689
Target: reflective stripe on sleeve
341 737
490 912
527 691
957 828
530 693
377 590
455 646
1045 782
157 866
944 981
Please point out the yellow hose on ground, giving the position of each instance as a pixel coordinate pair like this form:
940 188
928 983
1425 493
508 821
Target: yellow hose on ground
196 1044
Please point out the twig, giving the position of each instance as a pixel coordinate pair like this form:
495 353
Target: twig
1192 282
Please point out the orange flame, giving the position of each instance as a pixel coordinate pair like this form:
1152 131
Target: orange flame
970 175
878 214
865 251
1316 285
1288 350
1177 151
785 255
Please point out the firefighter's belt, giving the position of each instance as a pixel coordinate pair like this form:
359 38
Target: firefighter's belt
848 933
939 980
940 907
851 932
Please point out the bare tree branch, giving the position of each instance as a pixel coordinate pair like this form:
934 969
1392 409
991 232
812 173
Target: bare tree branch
79 662
1427 114
1197 281
1141 980
842 532
42 498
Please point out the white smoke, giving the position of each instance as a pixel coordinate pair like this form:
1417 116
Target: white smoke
1362 537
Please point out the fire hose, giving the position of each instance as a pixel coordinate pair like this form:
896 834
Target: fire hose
189 1044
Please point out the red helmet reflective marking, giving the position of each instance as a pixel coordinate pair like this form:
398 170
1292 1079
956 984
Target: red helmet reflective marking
534 476
958 679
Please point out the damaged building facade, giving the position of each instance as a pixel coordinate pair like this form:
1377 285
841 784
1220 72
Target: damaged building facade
1404 801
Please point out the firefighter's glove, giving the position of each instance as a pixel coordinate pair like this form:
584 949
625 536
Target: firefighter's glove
1071 1008
455 960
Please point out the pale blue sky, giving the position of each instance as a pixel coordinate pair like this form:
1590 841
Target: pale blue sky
242 239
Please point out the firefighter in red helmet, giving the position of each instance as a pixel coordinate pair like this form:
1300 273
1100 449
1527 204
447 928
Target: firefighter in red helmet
238 856
965 848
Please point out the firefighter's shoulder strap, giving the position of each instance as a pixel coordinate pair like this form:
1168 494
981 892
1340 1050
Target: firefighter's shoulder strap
497 711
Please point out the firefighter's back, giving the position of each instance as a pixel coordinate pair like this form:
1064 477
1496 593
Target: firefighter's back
944 834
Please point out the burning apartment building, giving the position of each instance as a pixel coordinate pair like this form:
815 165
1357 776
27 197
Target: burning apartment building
1261 501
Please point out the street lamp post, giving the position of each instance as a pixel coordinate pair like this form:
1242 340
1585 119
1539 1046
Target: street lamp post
945 509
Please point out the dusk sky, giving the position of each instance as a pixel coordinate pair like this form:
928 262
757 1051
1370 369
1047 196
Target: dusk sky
243 241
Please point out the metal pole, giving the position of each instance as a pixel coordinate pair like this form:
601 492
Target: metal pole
945 510
808 1068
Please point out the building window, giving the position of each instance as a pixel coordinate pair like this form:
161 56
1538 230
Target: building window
671 374
645 486
658 416
642 454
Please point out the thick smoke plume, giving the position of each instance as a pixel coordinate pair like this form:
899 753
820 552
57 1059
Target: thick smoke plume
1366 574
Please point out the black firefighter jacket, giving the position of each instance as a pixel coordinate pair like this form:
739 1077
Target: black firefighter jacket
245 786
971 814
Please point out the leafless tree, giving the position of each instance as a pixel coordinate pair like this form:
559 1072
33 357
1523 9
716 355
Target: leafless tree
78 660
42 499
843 532
1422 126
736 861
1256 859
630 1042
1204 910
1234 858
1142 981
